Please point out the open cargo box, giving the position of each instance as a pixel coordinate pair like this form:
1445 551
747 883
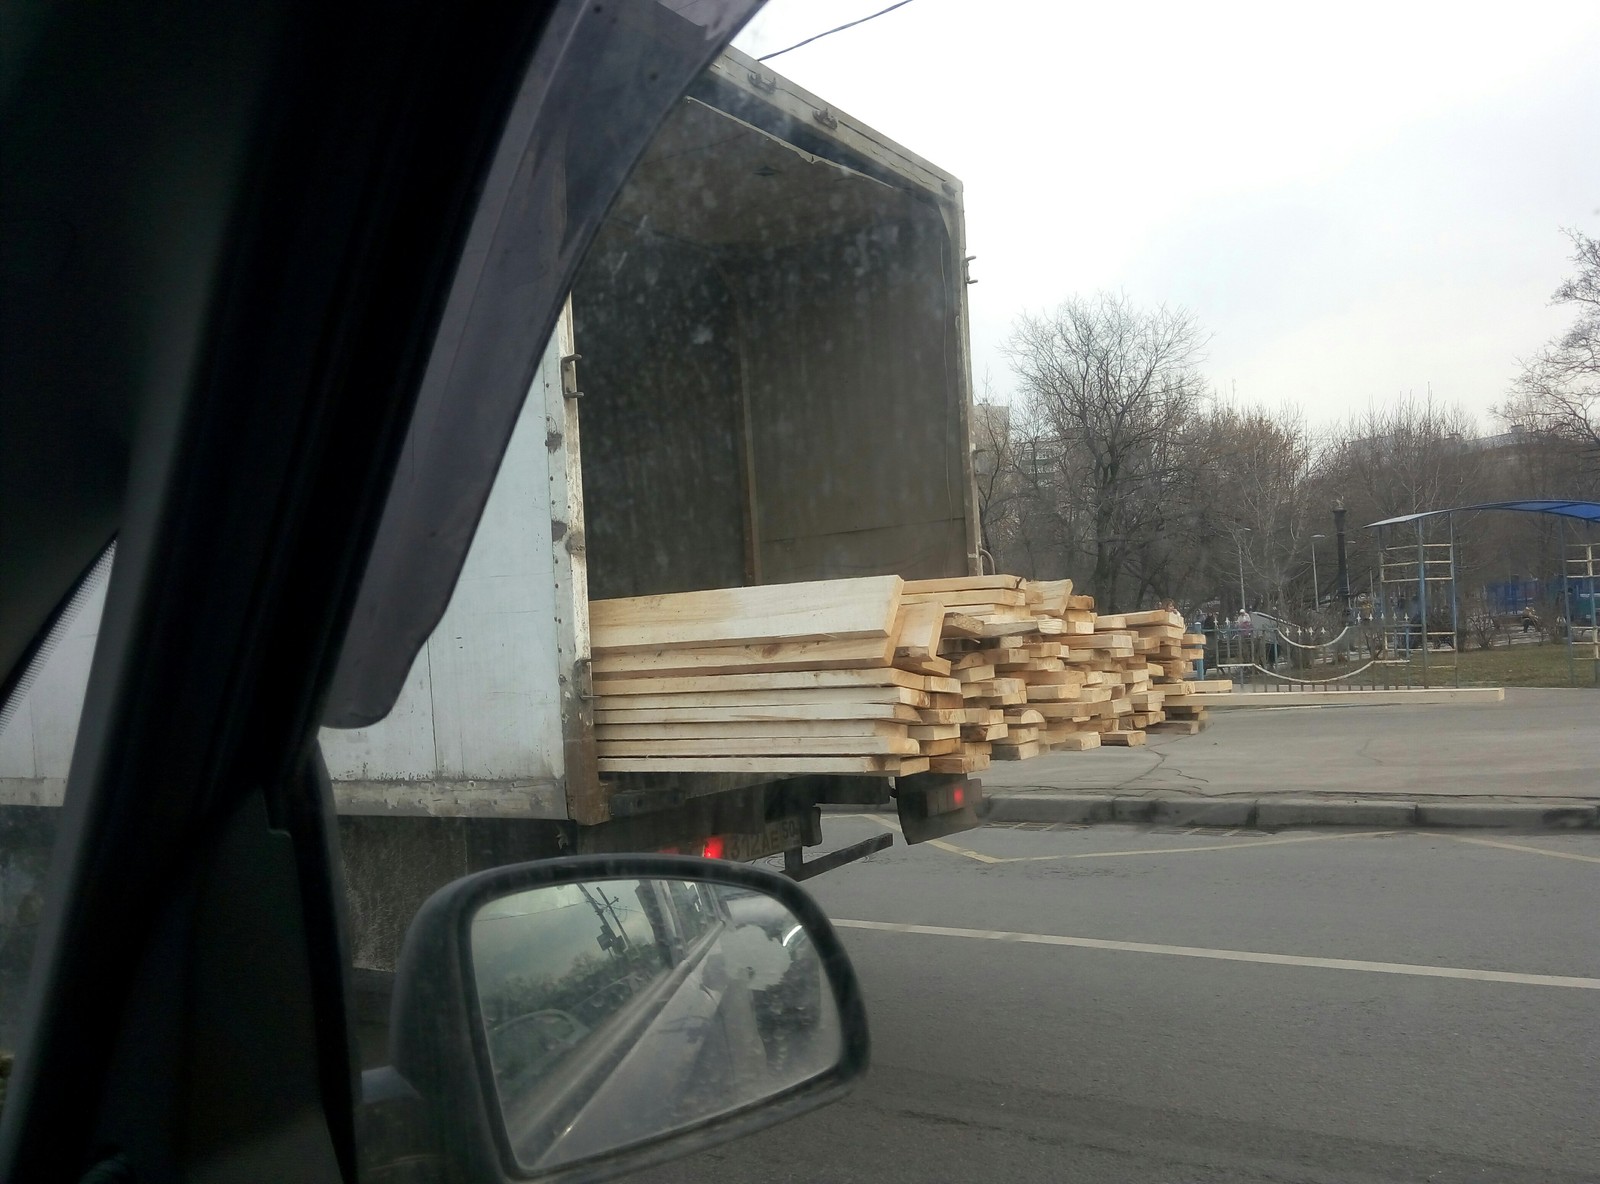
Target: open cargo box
762 378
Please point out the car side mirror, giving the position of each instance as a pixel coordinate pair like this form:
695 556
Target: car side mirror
574 1019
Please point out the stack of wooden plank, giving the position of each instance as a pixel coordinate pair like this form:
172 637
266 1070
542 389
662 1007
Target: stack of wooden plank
783 678
1171 653
873 676
1027 664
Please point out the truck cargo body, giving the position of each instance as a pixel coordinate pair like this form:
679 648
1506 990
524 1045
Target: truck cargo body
761 377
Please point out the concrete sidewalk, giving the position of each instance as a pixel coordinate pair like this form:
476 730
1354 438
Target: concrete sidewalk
1531 762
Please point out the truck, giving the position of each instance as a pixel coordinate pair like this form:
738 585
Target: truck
761 376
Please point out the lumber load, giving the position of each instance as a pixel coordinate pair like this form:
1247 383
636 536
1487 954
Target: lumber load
829 676
879 677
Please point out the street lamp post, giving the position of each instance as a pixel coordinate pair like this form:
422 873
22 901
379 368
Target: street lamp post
1316 586
1238 542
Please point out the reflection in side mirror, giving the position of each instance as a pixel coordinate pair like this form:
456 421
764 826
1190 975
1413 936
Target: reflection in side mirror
616 1012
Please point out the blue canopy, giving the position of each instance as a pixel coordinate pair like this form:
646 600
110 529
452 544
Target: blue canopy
1583 511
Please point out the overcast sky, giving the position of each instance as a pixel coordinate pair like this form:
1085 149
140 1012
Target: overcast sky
1356 200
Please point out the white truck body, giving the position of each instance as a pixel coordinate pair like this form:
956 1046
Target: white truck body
773 385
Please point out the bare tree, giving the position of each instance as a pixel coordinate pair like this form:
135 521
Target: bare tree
995 474
1258 475
1558 391
1112 389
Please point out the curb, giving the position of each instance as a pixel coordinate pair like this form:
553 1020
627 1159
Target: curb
1271 813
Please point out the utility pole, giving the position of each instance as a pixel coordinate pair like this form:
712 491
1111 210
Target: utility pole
1316 586
1239 543
1344 566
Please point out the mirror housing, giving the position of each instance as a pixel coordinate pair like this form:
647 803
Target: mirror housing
439 1041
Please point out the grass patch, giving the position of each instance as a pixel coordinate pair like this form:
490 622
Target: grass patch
1538 665
1525 666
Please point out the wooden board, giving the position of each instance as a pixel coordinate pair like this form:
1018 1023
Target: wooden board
1065 677
959 764
884 676
738 700
959 625
962 584
748 659
1122 739
918 631
1154 616
940 747
1180 727
1077 742
1018 628
863 607
1024 716
872 766
764 746
934 731
969 599
1015 752
985 733
1049 694
779 713
776 730
964 715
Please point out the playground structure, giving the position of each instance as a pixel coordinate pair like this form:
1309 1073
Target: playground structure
1412 631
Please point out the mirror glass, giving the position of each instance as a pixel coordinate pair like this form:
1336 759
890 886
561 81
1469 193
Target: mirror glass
619 1011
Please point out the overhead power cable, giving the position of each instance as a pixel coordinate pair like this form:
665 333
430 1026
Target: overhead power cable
836 29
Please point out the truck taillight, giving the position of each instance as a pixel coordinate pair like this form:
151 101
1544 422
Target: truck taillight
714 847
931 805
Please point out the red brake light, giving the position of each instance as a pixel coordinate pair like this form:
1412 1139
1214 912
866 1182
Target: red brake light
958 795
714 847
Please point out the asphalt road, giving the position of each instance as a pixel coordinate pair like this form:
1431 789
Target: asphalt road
1537 743
1464 1045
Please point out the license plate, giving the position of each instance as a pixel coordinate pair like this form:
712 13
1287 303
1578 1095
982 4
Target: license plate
774 837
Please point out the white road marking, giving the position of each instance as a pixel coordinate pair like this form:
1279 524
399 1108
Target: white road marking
1136 947
980 857
1528 850
1318 838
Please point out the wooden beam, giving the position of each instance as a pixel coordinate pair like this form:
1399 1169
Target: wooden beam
841 734
900 744
769 681
772 657
738 700
779 714
872 766
963 584
919 630
864 607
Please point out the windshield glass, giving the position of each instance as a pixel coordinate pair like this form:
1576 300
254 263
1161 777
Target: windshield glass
1118 491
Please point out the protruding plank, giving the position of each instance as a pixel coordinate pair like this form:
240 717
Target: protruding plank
1122 739
863 607
919 631
1078 742
986 733
963 584
764 730
885 676
1015 752
764 746
749 659
871 766
819 697
776 713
